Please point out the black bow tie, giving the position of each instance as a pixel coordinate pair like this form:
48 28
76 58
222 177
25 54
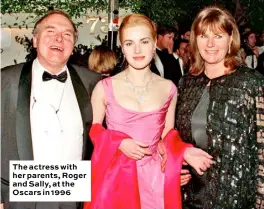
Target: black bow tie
61 77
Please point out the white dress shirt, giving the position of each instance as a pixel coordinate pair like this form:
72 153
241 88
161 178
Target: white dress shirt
250 57
56 122
180 62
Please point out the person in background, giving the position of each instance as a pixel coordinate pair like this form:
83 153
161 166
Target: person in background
46 111
102 60
252 51
164 63
221 110
182 54
185 33
261 38
127 166
260 66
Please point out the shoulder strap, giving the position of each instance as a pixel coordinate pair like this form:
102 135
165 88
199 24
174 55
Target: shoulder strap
172 93
108 88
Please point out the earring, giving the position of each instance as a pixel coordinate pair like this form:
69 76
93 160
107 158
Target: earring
153 55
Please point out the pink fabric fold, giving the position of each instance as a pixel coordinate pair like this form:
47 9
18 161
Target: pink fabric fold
114 176
172 188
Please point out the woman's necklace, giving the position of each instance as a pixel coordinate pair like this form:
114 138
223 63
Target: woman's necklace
140 91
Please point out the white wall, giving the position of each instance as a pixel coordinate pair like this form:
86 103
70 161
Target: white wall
93 25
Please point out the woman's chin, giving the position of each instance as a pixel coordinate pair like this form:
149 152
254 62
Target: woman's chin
140 67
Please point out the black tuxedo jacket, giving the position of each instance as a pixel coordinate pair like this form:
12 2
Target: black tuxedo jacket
16 142
171 66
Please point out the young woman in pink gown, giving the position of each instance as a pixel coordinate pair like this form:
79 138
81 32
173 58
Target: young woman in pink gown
142 104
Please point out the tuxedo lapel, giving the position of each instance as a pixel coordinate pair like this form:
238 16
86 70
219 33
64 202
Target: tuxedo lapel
83 101
162 55
178 66
159 53
23 131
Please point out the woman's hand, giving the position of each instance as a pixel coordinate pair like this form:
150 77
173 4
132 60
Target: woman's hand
185 176
133 149
198 159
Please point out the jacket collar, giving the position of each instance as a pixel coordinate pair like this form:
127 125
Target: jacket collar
23 131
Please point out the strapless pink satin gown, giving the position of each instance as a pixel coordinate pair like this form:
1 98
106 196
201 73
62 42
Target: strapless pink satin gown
145 127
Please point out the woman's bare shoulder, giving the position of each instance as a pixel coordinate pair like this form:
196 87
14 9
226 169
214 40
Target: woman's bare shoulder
162 82
119 76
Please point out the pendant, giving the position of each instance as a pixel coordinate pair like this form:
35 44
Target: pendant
141 98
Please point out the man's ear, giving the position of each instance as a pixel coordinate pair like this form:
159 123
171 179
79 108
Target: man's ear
35 41
159 40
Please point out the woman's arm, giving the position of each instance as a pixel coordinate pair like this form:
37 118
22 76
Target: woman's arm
195 157
170 116
169 124
98 101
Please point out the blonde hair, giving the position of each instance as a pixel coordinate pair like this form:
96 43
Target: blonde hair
135 20
102 60
215 19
